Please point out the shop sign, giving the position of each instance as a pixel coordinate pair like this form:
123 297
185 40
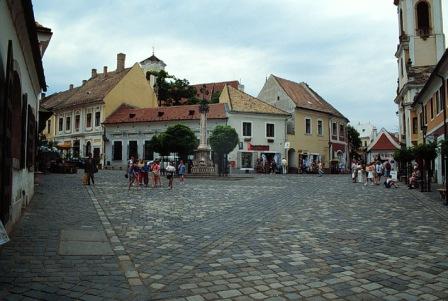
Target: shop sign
258 147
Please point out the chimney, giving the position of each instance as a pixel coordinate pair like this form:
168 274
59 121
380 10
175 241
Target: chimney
71 87
105 71
94 73
84 82
120 61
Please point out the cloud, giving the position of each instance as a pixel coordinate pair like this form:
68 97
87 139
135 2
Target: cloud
344 49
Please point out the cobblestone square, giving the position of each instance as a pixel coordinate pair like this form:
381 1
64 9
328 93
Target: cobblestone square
295 237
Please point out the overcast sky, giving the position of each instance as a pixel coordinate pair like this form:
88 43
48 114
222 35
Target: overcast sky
343 49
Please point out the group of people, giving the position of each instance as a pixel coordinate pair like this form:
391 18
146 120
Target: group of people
138 173
372 173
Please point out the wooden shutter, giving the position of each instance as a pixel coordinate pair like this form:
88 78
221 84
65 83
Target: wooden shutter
23 142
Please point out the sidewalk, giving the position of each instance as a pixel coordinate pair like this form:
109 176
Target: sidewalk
58 250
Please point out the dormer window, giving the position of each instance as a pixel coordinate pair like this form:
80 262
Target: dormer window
423 19
191 112
160 113
131 115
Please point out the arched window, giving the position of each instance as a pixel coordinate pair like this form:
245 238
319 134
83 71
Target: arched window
423 18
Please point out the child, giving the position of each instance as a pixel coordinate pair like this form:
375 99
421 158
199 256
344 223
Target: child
389 183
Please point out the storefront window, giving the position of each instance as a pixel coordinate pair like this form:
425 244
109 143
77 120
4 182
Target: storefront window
246 160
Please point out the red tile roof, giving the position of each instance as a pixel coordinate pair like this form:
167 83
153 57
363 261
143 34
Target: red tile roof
211 88
127 114
306 98
94 90
383 142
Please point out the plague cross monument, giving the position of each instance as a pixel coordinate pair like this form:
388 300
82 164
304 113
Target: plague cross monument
202 165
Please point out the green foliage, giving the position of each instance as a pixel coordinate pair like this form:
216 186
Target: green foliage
444 148
193 101
170 89
180 139
354 141
215 97
425 151
404 155
158 144
223 139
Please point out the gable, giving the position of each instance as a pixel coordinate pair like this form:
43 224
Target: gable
383 143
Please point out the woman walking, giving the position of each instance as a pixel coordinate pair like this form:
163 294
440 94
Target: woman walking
156 174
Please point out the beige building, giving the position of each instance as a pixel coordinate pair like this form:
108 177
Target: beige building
78 113
316 131
421 46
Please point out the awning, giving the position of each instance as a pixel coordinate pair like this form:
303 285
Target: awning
64 146
338 147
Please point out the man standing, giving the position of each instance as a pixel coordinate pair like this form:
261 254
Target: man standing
320 168
181 169
90 168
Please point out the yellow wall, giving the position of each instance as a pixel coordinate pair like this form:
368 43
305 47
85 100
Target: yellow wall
311 144
50 134
133 89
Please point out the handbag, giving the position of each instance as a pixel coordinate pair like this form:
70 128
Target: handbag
126 175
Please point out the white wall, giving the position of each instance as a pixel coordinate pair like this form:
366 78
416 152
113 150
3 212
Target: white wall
23 180
259 122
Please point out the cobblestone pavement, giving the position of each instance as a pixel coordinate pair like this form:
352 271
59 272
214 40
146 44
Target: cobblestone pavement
268 237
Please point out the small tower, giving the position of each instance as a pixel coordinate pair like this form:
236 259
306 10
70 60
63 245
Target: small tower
152 64
421 45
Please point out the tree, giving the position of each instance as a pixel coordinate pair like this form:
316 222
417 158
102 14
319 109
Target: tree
171 90
180 139
215 97
158 144
354 141
223 140
426 153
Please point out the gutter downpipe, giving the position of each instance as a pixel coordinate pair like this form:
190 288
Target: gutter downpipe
444 160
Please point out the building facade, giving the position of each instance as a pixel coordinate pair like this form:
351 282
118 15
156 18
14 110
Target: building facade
421 46
316 131
367 133
129 130
382 147
78 113
21 82
261 128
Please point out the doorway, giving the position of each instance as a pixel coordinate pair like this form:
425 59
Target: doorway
88 148
133 149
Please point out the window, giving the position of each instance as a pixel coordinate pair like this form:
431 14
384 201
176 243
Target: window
307 126
97 118
61 124
133 149
432 108
67 123
89 120
247 129
246 160
117 151
334 131
77 121
423 23
401 23
49 126
414 125
320 128
270 130
341 132
438 102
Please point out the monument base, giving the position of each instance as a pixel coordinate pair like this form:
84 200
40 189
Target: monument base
202 165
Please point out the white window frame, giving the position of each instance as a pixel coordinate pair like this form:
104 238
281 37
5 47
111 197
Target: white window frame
322 127
337 130
311 126
251 129
70 123
63 124
266 130
89 128
94 121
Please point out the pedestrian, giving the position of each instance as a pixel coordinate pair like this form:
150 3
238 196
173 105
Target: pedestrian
156 174
387 169
354 171
379 172
132 174
284 166
145 170
320 168
370 174
389 183
273 166
90 168
170 170
182 169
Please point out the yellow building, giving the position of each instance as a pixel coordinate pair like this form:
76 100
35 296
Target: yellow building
316 131
78 113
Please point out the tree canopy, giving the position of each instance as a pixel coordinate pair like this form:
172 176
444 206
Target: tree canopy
353 140
171 90
223 139
180 139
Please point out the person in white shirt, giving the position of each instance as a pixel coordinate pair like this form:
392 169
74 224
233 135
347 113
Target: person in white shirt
284 166
170 170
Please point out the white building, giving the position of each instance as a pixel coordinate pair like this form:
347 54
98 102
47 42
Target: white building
382 147
128 130
21 82
261 128
367 133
